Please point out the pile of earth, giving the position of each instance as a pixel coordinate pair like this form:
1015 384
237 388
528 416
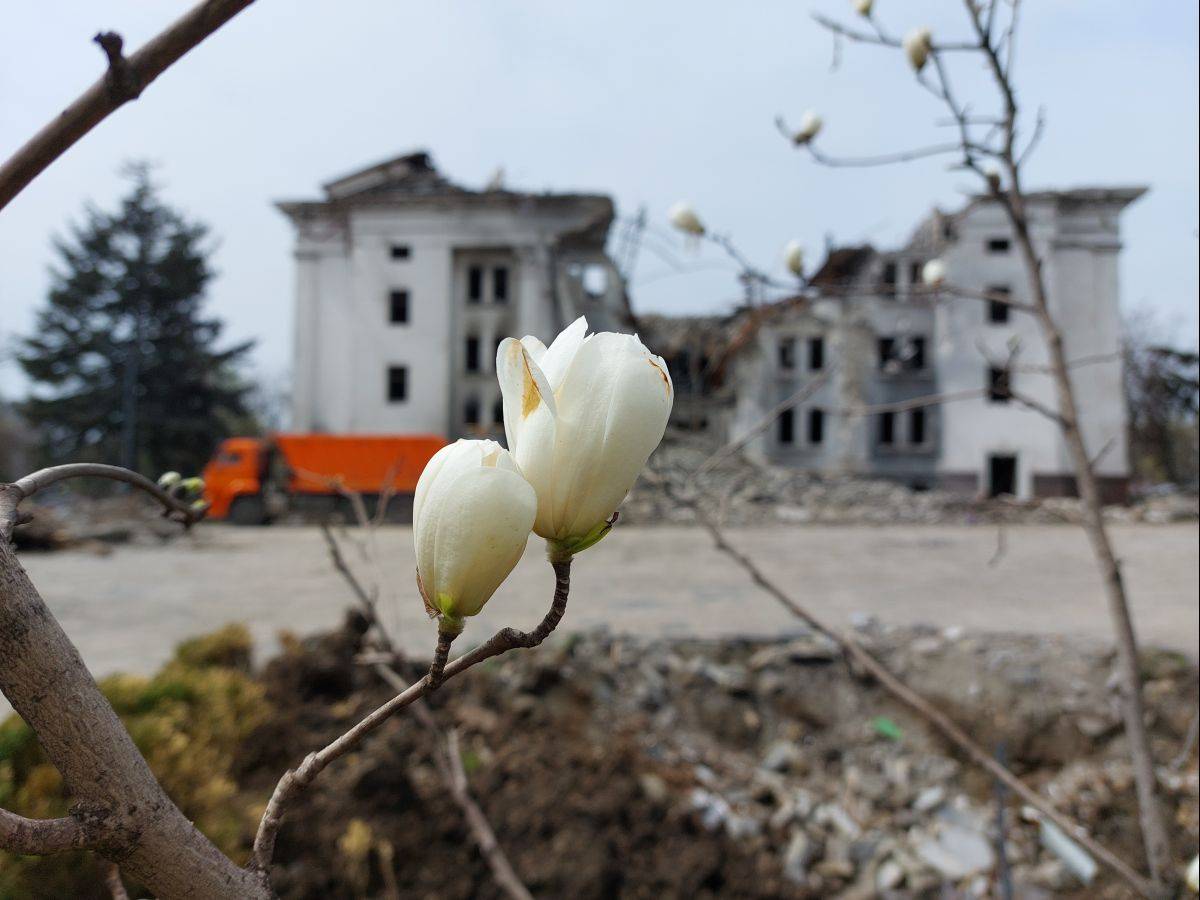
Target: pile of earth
617 767
737 490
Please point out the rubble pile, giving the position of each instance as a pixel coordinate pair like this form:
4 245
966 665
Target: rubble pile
736 490
95 523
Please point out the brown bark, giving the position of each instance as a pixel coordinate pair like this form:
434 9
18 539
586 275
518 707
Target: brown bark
124 81
117 798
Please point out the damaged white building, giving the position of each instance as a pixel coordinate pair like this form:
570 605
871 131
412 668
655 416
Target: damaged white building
406 283
868 343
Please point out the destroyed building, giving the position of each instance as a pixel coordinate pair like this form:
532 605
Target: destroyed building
835 380
406 282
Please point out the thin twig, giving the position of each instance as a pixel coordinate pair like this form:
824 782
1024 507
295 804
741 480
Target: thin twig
125 80
296 780
112 880
12 495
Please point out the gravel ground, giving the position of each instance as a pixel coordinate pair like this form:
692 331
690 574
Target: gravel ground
126 609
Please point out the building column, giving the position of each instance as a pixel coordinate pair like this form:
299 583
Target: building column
305 347
536 314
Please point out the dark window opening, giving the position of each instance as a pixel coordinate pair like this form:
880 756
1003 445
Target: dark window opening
471 411
787 426
998 386
916 427
887 351
998 245
997 309
1002 475
887 429
916 353
400 251
889 275
816 353
816 426
787 354
914 274
475 284
498 413
398 307
496 347
397 384
472 354
500 285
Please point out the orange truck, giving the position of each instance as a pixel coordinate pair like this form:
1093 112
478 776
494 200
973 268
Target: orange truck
252 481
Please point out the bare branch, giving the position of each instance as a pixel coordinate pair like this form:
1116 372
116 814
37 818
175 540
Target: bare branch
13 494
880 37
124 81
296 780
39 837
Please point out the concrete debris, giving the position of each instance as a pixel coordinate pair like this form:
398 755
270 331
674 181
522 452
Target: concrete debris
797 769
739 491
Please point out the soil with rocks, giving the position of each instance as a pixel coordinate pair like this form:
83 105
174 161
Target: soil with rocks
614 767
737 490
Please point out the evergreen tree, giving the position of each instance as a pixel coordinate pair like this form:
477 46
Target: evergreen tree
125 365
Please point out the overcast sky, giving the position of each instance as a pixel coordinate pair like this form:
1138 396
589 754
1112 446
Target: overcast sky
650 102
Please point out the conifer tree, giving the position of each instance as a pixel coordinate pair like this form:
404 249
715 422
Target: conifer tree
126 366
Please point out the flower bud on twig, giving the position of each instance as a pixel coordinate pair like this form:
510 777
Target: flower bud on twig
472 513
793 258
863 7
933 273
168 480
683 217
918 44
810 127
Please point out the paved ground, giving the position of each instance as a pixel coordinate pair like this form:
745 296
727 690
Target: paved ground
126 609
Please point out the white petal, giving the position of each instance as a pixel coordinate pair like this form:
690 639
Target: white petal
562 352
523 387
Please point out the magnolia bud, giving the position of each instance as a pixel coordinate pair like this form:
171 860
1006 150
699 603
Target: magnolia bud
192 485
472 512
810 126
793 258
168 480
933 273
581 419
992 174
918 44
684 218
863 7
1193 875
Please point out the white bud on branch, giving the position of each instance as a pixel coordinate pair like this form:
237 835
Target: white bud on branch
863 7
933 273
810 127
918 44
581 417
683 217
793 258
472 513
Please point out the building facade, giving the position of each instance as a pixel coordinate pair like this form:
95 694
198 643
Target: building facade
406 283
869 344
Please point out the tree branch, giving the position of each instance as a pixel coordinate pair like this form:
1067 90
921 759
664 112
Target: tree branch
124 81
296 780
11 495
39 837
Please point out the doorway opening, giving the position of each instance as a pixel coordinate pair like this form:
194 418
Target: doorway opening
1002 475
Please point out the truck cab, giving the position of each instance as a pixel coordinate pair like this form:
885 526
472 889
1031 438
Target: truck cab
233 480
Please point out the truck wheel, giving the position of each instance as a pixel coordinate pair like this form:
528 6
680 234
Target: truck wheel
248 510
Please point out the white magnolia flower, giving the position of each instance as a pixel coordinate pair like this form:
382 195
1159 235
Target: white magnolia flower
581 419
793 258
933 273
472 513
918 44
684 218
863 7
810 126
